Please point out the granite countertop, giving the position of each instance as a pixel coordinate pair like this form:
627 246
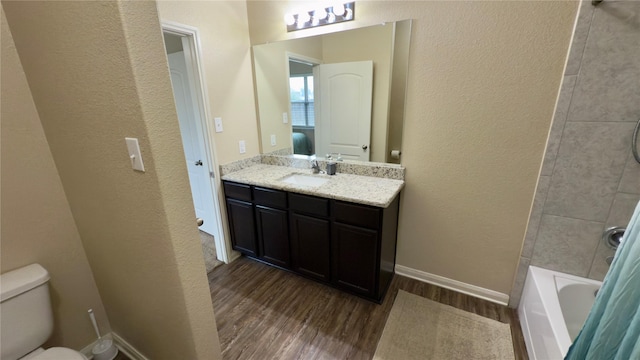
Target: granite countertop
359 189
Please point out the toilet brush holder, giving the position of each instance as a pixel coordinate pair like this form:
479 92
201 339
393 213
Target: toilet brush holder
104 349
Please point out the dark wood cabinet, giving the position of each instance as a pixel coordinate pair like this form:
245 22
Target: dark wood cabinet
310 236
242 226
355 258
363 246
272 226
346 245
311 246
273 235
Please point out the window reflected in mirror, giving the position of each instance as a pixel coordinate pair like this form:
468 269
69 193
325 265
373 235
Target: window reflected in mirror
302 109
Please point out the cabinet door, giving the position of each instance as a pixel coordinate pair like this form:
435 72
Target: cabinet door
273 235
242 226
355 258
310 245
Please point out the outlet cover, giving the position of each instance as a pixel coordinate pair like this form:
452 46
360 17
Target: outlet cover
285 118
218 122
243 147
273 140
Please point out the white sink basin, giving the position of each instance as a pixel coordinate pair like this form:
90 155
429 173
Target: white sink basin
305 180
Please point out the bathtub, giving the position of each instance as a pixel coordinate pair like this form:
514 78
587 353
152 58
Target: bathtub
552 310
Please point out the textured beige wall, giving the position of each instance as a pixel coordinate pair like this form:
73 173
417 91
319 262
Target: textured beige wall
226 61
37 225
483 81
373 43
97 73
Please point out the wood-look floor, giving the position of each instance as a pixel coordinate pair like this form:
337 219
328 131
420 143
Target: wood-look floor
267 313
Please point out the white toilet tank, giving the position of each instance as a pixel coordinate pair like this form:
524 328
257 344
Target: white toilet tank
25 310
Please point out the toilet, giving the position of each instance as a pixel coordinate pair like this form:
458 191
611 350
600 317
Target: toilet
27 317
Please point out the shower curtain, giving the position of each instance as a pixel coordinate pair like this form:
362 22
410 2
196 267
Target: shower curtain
612 329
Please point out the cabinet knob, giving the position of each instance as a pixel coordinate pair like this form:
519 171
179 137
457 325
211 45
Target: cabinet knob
365 147
199 163
199 221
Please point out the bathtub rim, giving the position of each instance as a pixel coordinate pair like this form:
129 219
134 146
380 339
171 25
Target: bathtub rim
548 287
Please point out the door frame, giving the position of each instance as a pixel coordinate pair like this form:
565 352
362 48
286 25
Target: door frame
288 56
196 77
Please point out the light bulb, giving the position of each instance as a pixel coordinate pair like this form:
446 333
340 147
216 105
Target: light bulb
303 17
338 9
320 14
289 19
348 15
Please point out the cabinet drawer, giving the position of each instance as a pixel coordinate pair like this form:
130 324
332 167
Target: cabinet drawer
357 215
237 191
269 197
309 204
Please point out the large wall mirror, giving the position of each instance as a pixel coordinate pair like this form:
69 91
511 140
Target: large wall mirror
339 93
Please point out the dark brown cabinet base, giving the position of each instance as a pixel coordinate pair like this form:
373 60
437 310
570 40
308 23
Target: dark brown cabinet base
273 235
242 226
355 258
311 247
346 245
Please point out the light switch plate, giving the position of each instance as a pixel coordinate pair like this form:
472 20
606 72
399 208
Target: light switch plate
273 140
243 147
218 122
134 154
285 118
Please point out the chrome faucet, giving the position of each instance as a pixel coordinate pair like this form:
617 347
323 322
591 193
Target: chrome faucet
315 167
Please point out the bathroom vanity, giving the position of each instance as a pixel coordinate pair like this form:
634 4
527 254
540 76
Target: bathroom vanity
333 233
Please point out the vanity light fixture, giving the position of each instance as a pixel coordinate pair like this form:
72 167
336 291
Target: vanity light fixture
289 19
333 14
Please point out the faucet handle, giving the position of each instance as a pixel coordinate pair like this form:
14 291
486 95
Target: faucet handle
315 167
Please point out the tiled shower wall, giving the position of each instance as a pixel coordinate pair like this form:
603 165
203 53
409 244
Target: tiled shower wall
589 179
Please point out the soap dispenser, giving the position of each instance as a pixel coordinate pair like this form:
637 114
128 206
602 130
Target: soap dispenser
331 167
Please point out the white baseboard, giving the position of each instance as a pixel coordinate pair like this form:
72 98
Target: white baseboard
122 345
459 286
128 349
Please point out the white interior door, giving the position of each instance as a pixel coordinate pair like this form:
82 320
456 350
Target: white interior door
193 143
343 102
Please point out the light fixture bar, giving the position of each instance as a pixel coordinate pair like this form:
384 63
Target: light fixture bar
337 13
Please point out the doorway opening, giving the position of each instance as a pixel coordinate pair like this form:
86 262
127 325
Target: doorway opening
195 129
330 107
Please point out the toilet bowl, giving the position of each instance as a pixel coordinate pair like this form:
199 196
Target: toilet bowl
27 317
54 353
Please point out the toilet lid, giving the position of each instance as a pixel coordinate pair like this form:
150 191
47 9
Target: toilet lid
58 353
